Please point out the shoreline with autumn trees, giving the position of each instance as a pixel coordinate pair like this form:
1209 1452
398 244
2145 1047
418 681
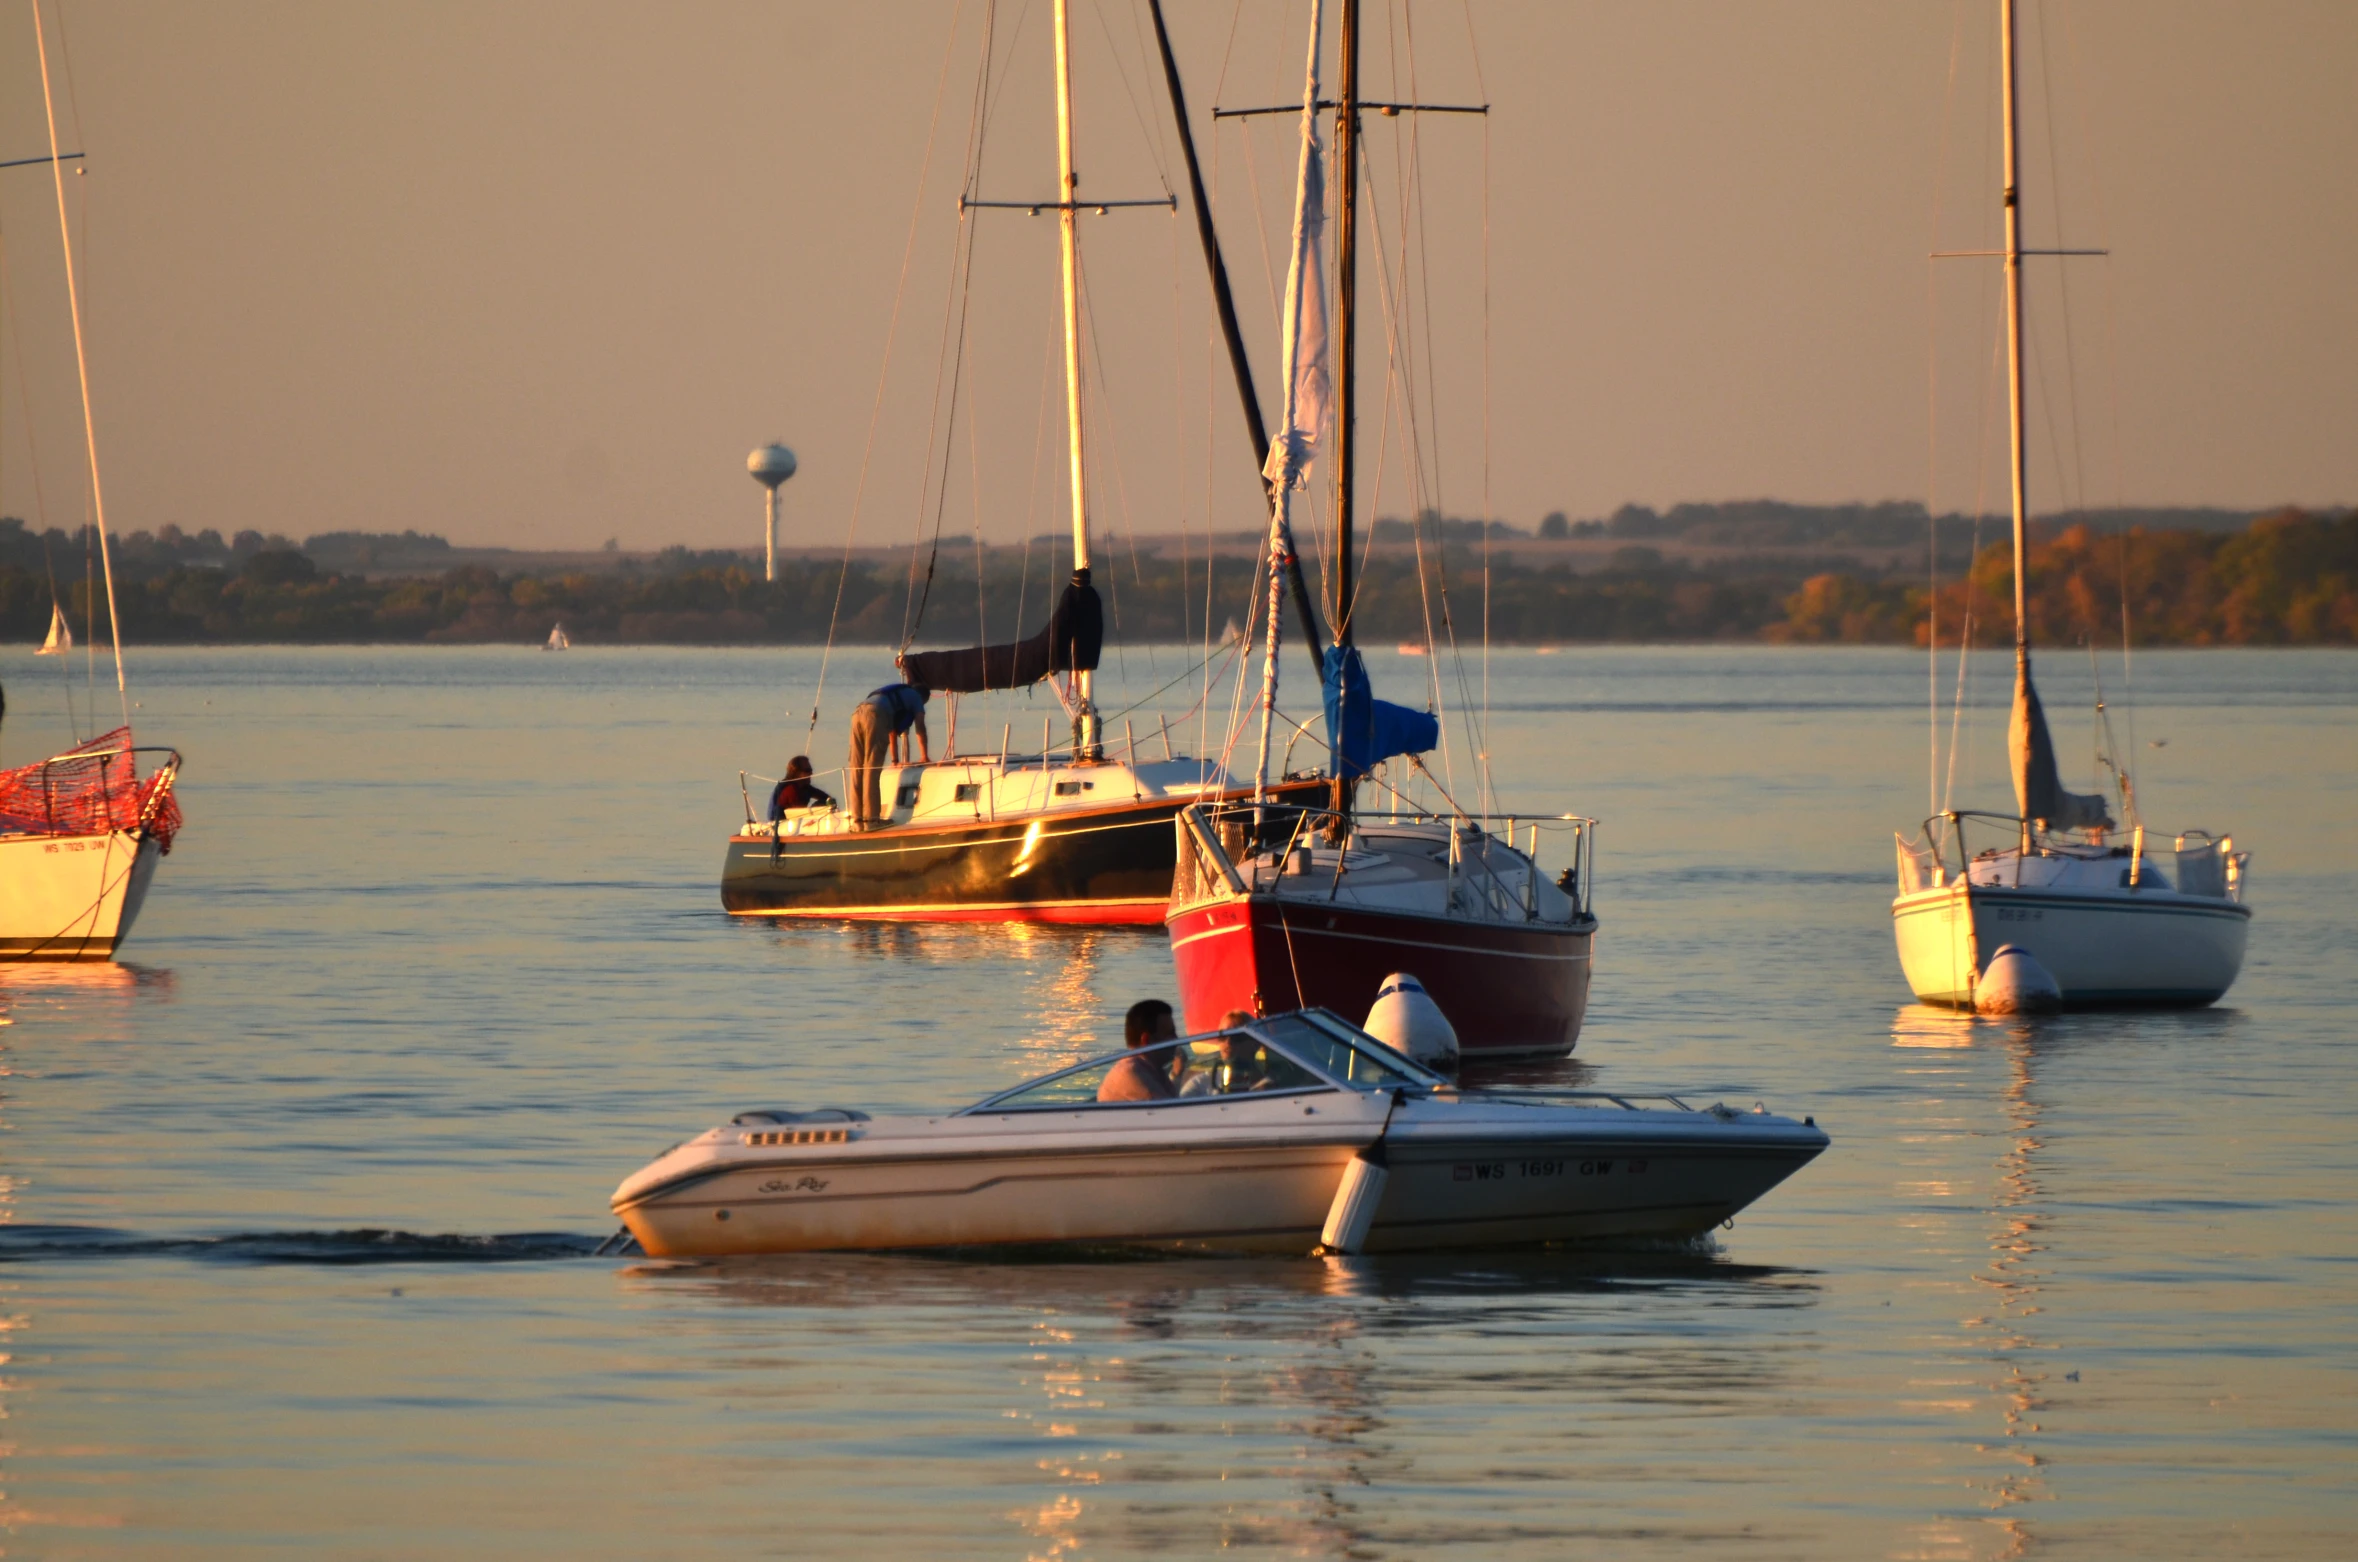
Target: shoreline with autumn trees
1766 572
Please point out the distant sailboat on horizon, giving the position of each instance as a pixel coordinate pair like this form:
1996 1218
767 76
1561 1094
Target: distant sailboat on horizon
61 635
558 640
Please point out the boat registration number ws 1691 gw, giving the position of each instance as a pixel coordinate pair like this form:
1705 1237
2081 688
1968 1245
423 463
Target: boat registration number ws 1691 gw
1491 1171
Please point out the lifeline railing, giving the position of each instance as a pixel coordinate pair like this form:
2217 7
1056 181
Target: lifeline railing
2201 863
93 790
1213 839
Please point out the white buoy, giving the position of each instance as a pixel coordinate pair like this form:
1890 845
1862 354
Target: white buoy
2015 983
1356 1198
1405 1018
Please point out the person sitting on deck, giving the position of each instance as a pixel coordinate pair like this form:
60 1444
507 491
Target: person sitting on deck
877 722
797 790
1136 1078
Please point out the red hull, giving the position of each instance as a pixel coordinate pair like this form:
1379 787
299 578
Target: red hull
1510 989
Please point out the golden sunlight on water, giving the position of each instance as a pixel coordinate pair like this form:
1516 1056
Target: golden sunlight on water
297 1204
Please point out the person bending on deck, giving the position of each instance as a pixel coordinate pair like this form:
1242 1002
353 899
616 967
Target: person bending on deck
797 790
876 721
1136 1078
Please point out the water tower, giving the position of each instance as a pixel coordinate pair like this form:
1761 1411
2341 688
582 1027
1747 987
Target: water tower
771 465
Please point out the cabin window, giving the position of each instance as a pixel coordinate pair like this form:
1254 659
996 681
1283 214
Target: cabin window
908 796
968 791
1074 788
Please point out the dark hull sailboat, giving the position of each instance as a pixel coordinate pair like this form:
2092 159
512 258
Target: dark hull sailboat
943 858
1071 835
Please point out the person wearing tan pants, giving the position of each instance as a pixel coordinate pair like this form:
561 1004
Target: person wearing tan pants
877 722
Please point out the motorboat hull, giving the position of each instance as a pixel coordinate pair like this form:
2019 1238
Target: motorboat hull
1460 1176
1511 989
1100 865
2151 946
72 897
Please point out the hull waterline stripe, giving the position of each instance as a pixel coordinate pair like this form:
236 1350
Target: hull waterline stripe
1569 957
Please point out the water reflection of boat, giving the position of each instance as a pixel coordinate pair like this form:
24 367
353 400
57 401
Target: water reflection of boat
1256 1138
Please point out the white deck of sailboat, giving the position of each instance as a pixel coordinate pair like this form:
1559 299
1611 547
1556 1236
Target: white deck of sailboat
989 788
2110 923
1414 866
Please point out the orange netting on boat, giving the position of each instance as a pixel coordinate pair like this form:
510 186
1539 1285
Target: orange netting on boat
91 789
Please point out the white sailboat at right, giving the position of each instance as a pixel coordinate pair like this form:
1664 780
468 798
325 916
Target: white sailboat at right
2105 914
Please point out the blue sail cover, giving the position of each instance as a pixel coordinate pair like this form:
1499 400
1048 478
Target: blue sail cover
1362 729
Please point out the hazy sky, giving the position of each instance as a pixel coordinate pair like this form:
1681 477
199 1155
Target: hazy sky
540 274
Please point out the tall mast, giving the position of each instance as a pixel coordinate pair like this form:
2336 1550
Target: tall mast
1346 310
1224 301
2014 334
1068 217
65 234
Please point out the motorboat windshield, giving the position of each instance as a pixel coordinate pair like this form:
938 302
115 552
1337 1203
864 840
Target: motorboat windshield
1284 1054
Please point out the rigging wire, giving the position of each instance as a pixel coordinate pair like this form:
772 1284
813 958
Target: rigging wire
950 356
1948 106
884 369
2112 378
40 493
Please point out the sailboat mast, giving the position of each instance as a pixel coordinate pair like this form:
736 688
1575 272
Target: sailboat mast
1068 217
2014 333
65 233
1347 312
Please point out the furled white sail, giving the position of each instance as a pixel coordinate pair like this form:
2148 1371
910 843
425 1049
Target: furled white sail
2038 788
61 638
1308 387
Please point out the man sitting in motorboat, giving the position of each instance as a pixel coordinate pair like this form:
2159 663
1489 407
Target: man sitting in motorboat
1137 1078
797 790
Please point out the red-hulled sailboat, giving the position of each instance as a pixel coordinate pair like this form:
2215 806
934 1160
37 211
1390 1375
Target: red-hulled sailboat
1350 898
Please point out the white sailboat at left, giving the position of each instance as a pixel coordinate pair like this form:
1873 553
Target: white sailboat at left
81 832
558 640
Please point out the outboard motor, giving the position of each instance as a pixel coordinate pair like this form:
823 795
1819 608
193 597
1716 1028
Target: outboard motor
1406 1019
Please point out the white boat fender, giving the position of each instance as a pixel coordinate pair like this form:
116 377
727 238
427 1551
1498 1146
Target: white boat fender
1357 1195
2015 983
1356 1198
1405 1018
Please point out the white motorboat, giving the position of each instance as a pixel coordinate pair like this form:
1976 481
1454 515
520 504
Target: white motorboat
2109 919
1273 1136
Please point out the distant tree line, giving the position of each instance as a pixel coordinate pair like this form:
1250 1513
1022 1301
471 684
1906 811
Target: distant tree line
2290 578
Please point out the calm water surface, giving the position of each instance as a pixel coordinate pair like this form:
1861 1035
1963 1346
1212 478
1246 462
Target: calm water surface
297 1201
